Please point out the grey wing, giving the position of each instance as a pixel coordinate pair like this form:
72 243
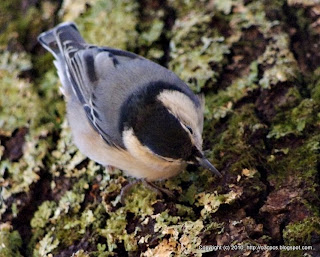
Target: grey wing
103 78
75 62
99 84
121 74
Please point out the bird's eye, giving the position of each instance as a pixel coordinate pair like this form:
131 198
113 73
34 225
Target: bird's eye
190 129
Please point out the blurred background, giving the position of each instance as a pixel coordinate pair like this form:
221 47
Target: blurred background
256 62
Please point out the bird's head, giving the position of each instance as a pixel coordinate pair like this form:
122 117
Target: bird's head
161 120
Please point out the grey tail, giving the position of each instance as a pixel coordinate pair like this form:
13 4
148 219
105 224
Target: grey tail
63 41
53 40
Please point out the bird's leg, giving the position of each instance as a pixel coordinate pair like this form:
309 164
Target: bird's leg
157 189
127 188
110 169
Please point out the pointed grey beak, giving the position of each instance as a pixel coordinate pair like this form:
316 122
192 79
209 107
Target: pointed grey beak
207 165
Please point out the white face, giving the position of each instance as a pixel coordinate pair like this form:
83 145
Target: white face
190 116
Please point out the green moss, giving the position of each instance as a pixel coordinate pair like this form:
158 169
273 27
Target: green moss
301 234
300 11
66 156
202 48
101 251
151 27
16 95
178 237
186 212
232 145
115 231
9 33
72 199
277 62
22 174
151 34
224 6
300 162
67 230
80 253
198 181
64 218
195 49
14 62
51 107
118 20
19 26
304 3
42 215
296 120
10 241
184 7
69 227
314 86
138 201
6 14
291 100
281 66
211 202
221 104
189 195
99 212
21 107
46 245
251 15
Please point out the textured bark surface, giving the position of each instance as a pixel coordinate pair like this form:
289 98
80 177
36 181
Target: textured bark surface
256 62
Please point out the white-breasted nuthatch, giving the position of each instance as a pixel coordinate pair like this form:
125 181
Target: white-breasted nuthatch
126 111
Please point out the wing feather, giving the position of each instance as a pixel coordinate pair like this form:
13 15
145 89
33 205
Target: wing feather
80 64
102 78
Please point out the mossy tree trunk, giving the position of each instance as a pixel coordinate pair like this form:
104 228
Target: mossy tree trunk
256 62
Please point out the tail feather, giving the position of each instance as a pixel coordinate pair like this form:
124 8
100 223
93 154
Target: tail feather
48 41
57 41
68 31
53 39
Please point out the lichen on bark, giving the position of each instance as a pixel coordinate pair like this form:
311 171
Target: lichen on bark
257 64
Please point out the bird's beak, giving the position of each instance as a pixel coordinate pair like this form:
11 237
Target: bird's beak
202 161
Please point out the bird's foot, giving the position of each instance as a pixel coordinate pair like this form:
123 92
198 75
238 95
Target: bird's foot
110 169
160 191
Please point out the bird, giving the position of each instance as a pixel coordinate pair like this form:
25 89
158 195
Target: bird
124 110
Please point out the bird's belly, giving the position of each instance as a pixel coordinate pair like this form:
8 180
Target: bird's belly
91 144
